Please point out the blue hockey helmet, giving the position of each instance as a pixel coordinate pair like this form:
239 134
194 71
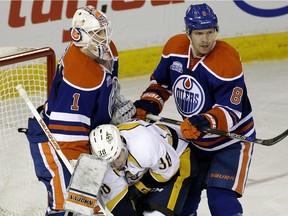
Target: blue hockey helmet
200 16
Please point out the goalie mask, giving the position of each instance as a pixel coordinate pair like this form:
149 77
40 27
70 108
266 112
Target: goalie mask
106 143
91 31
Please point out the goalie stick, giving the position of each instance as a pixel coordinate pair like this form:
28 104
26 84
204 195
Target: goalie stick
265 142
52 140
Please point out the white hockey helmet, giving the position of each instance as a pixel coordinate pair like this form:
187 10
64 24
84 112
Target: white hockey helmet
106 142
91 31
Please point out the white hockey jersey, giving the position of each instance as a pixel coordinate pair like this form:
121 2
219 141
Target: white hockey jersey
153 159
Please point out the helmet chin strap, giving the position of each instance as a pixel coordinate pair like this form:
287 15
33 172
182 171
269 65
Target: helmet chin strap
126 156
192 48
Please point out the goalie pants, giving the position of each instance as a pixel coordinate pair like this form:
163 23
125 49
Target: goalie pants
48 167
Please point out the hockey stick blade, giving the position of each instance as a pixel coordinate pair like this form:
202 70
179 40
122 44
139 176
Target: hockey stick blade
272 141
265 142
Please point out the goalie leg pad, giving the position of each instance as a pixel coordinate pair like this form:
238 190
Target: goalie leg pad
85 184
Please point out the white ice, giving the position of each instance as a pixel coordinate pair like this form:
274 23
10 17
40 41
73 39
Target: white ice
267 82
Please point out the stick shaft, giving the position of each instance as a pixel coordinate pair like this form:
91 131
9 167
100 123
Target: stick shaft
52 140
265 142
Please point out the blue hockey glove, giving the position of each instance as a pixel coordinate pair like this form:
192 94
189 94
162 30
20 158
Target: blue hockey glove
144 107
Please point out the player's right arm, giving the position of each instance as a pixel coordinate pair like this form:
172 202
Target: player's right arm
151 101
153 98
160 89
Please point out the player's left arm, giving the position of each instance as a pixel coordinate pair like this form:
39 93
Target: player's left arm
231 99
230 103
229 89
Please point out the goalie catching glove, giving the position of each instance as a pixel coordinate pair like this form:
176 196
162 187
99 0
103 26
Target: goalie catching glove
123 111
190 126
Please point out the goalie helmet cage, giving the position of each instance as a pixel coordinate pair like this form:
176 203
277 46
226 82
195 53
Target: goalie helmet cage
21 192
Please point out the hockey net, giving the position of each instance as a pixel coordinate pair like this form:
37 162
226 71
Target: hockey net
20 191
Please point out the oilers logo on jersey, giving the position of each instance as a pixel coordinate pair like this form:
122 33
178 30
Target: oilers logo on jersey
189 95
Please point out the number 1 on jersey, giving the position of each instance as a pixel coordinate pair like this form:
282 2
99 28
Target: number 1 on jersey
75 106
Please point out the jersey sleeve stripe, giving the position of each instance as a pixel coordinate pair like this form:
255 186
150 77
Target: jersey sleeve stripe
69 117
68 128
69 138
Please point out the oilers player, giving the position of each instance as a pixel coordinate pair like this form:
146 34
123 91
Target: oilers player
206 79
83 94
152 165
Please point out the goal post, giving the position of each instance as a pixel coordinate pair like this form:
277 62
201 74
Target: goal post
45 52
34 68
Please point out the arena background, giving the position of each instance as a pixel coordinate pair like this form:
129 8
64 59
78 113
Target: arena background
258 29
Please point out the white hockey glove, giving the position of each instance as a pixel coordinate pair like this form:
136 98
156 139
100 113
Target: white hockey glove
123 111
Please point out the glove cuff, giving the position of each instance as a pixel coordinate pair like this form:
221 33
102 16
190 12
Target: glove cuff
149 106
212 121
203 120
152 96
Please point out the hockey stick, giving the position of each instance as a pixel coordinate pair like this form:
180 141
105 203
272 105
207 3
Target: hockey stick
52 140
265 142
